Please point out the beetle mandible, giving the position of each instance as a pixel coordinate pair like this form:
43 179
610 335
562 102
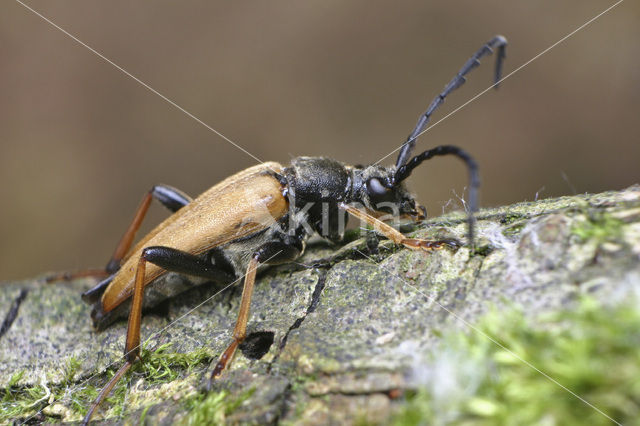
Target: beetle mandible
263 215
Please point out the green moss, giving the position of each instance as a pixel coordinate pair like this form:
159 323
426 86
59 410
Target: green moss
511 217
213 408
158 366
115 402
143 416
15 378
514 228
592 351
20 402
83 397
482 251
162 365
363 420
600 226
70 369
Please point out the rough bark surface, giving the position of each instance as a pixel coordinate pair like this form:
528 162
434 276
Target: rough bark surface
347 322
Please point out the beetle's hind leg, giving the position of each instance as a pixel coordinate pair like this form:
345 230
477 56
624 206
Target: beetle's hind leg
170 197
171 260
397 236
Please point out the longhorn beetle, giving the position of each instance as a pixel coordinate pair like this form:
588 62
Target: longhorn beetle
263 215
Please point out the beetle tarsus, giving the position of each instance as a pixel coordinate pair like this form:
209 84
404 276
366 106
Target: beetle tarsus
428 245
225 358
105 392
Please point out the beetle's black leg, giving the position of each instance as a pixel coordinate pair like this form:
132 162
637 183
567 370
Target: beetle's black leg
498 42
92 295
274 252
170 197
171 260
214 267
278 252
395 235
186 263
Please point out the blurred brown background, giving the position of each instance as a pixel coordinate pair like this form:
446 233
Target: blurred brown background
80 142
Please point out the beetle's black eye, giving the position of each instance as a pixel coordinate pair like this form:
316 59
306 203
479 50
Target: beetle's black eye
379 193
375 187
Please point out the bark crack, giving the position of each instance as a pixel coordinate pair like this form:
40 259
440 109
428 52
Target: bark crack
13 312
315 299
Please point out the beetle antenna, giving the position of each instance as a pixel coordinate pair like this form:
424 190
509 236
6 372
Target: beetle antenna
474 178
498 42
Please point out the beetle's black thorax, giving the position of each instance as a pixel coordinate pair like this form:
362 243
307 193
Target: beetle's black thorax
316 185
317 179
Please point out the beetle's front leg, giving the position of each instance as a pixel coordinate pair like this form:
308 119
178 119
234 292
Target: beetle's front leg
274 252
395 235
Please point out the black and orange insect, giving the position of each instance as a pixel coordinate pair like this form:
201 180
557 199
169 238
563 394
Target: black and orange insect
264 215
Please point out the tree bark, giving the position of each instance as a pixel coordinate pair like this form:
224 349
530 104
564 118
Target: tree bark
347 322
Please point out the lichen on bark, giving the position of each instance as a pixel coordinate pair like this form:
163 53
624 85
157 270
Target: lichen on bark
351 325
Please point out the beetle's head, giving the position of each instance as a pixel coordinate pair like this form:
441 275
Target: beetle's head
377 190
381 189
